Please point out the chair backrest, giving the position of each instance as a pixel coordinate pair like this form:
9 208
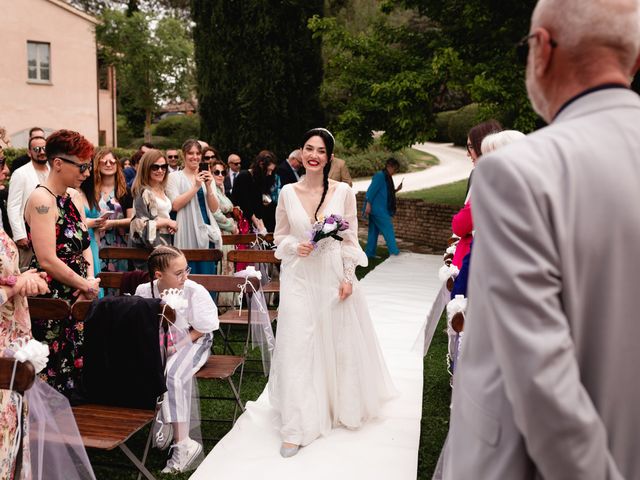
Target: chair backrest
24 378
245 239
110 279
127 253
223 283
48 308
253 256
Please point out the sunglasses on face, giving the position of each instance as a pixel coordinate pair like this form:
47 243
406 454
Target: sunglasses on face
108 160
522 47
470 147
234 163
38 149
83 167
209 157
218 172
3 162
172 157
155 167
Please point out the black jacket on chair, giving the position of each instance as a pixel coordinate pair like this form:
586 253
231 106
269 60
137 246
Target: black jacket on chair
123 365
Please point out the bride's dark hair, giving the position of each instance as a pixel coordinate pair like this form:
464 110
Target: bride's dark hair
329 144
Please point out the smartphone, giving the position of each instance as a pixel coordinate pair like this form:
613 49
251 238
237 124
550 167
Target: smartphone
107 215
204 167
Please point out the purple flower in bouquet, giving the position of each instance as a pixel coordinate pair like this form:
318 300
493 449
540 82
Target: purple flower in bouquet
328 227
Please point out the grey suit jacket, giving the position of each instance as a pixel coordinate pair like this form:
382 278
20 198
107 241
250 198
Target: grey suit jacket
548 384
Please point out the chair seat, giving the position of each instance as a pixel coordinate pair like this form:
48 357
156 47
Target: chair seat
219 367
231 317
106 427
271 287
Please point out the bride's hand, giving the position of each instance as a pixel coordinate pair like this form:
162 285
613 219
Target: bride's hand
346 289
304 249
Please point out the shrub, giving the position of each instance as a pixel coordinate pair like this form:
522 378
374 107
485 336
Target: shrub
178 128
461 122
161 143
10 154
364 163
442 126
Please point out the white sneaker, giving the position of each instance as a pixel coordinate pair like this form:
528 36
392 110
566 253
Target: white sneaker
162 434
184 453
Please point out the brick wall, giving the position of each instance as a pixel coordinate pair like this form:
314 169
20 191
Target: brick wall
420 222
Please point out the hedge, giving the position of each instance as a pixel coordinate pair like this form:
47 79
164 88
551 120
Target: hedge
461 122
366 163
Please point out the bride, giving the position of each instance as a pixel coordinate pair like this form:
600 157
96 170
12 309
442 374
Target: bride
328 369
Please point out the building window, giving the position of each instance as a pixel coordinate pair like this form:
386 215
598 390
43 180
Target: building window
39 62
103 75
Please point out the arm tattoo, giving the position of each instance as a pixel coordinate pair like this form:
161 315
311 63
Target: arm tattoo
42 209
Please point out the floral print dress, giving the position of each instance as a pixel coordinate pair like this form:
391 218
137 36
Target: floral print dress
65 339
14 324
116 237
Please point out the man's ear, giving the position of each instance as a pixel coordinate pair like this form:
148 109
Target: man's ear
542 51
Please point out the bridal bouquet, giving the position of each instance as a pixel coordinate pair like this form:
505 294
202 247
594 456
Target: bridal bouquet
328 227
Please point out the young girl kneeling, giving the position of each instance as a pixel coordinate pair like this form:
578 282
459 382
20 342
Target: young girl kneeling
168 269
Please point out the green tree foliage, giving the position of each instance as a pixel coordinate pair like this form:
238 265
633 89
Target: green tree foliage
418 57
153 65
258 73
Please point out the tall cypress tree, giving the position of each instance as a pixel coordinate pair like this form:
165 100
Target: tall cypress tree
258 72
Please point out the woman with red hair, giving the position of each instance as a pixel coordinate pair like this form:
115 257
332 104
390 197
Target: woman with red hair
60 240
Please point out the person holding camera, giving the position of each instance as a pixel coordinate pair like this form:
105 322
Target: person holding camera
251 187
192 194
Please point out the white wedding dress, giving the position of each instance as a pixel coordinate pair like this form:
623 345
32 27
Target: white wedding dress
328 369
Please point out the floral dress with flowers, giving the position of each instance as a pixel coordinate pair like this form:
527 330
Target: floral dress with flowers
14 324
64 338
115 237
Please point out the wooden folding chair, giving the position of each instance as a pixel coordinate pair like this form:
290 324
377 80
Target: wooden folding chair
105 427
223 367
128 253
245 238
24 376
257 256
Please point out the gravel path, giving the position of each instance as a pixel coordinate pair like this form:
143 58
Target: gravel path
454 165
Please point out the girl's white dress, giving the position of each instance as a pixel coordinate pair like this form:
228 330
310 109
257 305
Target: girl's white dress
328 369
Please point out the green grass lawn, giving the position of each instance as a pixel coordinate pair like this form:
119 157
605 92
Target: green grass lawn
450 194
435 414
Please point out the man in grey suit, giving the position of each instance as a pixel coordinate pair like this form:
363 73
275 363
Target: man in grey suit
547 385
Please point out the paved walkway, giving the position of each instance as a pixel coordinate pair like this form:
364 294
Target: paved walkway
454 165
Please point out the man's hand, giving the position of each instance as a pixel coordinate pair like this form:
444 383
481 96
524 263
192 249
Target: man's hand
22 243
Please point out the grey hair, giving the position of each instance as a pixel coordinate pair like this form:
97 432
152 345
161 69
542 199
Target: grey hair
295 154
576 24
494 141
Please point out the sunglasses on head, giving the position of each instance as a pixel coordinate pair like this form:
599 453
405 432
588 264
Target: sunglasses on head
218 172
83 167
171 157
38 149
522 47
156 166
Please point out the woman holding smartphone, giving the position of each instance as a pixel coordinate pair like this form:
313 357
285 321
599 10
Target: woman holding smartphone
115 205
193 197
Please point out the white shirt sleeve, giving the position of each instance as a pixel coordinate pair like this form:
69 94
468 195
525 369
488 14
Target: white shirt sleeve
203 312
172 190
15 207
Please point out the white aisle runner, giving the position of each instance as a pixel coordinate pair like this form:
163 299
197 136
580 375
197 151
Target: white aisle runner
400 292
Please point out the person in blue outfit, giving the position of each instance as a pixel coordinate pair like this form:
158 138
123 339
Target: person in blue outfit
380 206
